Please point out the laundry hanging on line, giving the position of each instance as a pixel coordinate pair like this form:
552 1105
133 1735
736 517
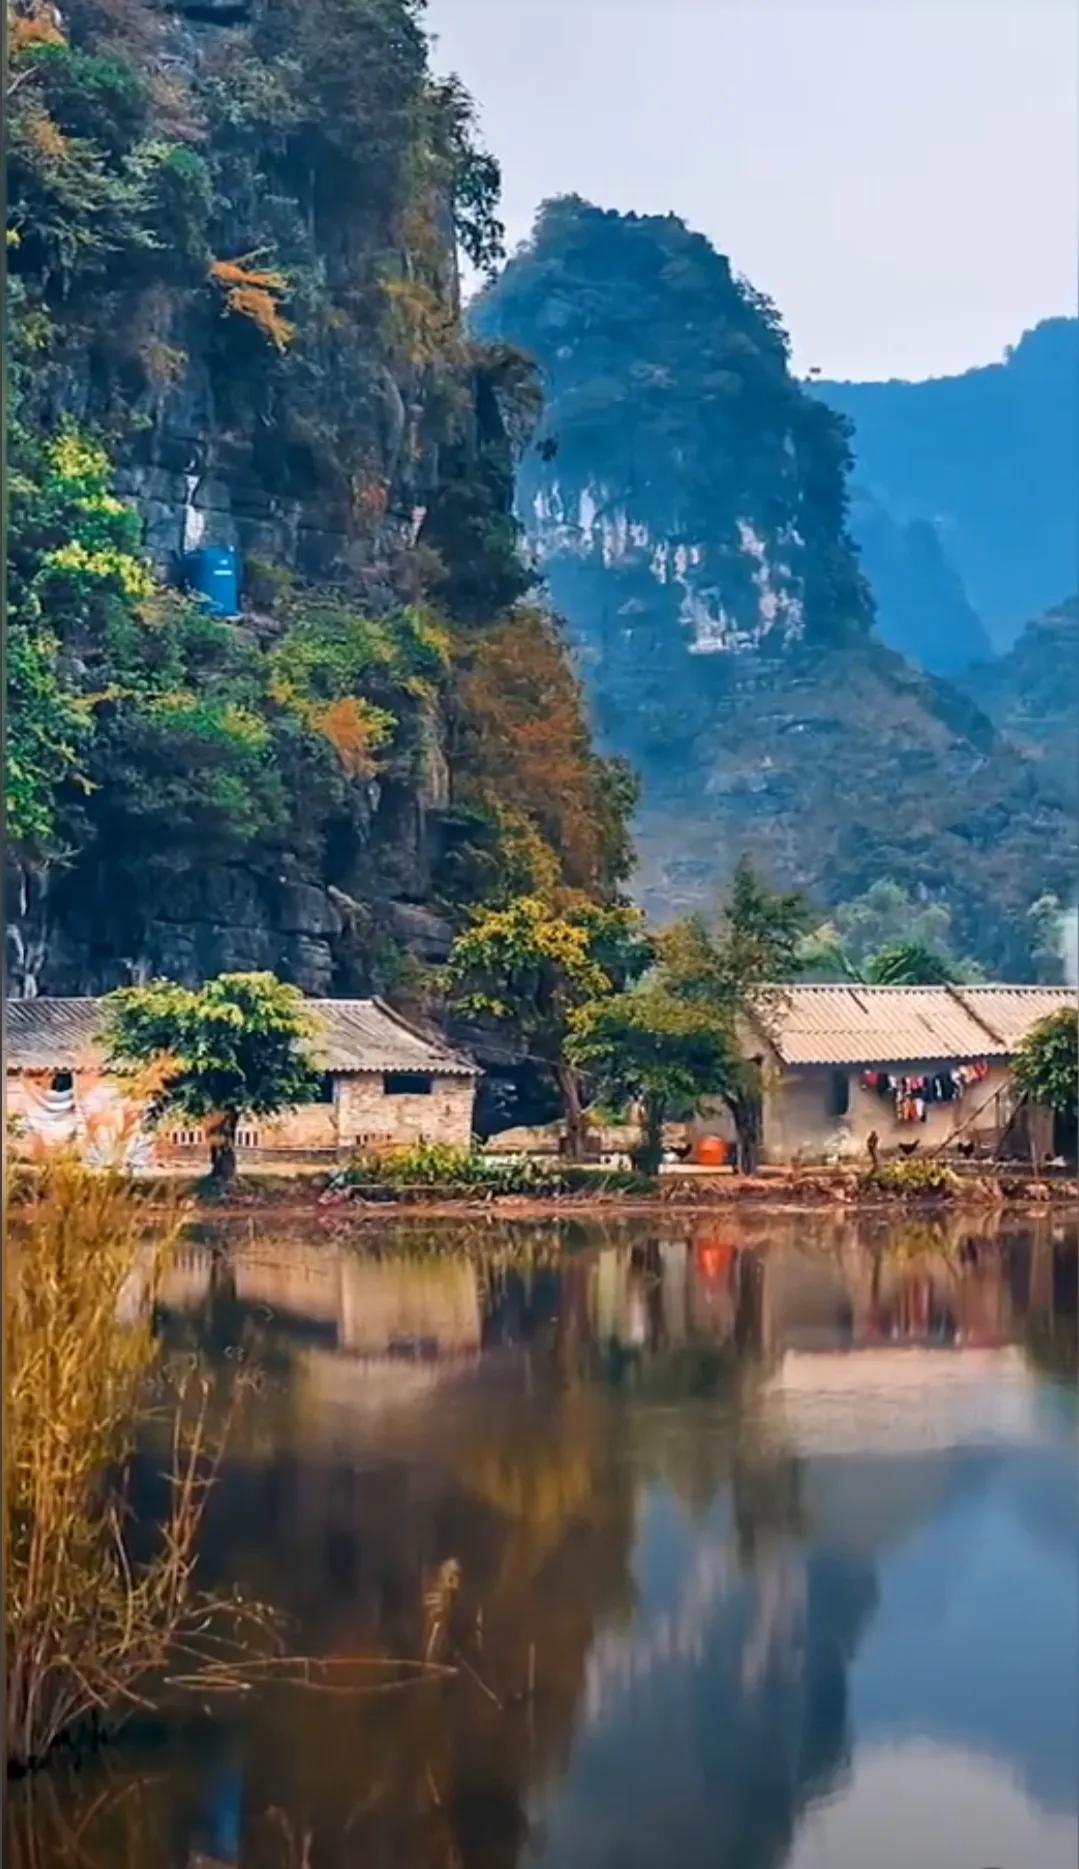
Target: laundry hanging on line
913 1096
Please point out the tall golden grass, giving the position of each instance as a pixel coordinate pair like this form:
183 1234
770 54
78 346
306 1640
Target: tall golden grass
88 1624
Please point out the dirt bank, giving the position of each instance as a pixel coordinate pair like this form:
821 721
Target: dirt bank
777 1192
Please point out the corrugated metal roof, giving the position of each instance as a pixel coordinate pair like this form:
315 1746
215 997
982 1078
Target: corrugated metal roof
51 1034
356 1035
903 1024
365 1035
1013 1011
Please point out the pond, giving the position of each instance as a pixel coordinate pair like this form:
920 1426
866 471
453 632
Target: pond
751 1545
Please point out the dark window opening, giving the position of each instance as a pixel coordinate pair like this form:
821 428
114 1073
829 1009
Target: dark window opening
63 1080
321 1090
840 1093
407 1084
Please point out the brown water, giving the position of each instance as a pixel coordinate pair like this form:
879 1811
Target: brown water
765 1540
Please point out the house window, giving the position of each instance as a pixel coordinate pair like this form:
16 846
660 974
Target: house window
407 1084
62 1080
840 1099
321 1090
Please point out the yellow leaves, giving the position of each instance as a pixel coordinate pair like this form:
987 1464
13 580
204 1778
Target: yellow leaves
75 458
255 294
46 136
104 566
424 325
355 728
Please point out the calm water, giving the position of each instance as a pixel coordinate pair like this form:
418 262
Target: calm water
764 1543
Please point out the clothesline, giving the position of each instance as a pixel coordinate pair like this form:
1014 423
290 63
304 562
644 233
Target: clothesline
913 1095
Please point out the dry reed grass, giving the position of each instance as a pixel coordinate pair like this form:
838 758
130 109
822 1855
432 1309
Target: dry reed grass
88 1624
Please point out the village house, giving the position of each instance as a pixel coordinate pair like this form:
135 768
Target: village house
925 1065
383 1084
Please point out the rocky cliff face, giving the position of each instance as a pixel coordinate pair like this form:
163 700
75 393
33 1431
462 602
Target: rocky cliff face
253 301
687 502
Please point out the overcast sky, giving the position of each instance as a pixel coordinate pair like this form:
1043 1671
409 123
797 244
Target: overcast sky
899 175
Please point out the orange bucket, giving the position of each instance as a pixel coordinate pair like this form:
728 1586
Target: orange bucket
712 1152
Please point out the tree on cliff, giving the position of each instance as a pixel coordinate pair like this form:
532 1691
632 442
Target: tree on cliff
661 1053
532 966
234 1047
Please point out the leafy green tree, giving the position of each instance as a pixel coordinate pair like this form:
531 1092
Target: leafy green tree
236 1046
735 970
909 963
886 914
1048 924
1047 1065
664 1054
532 966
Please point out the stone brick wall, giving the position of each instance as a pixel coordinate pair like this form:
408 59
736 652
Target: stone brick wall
368 1117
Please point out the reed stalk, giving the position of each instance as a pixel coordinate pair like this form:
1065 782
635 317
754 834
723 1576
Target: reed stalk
90 1623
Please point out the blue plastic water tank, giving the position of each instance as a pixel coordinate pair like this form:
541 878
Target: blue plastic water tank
214 574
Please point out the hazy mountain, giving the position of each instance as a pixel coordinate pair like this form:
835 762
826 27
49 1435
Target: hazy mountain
1032 694
988 462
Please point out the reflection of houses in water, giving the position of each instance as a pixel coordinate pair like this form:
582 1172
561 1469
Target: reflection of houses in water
368 1308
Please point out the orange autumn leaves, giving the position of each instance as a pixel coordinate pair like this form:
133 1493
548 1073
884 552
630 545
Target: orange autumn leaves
523 746
256 294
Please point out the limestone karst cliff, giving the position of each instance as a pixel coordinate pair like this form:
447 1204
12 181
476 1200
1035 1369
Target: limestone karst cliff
687 500
234 236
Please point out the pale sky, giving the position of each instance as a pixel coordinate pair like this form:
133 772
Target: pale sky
899 175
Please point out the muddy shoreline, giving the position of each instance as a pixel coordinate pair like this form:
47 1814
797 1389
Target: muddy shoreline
771 1194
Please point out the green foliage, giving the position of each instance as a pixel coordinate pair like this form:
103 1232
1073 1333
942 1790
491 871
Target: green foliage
1047 921
531 965
650 1048
451 1173
909 963
470 174
1047 1064
330 649
44 736
915 1179
886 938
93 195
733 970
887 914
149 192
756 944
239 1045
442 1168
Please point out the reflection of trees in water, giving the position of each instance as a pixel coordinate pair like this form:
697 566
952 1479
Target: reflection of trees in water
615 1377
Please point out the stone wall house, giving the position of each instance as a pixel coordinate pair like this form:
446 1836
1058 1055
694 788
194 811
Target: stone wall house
383 1084
925 1065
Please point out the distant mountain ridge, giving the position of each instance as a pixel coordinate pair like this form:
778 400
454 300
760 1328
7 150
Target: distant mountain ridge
966 496
1032 695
